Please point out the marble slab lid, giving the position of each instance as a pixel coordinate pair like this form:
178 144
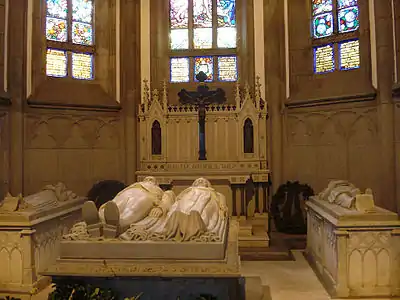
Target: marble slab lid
32 216
339 215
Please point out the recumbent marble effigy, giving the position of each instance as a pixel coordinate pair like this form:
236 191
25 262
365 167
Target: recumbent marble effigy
30 230
353 245
145 233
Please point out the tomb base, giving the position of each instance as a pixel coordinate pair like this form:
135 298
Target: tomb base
354 254
157 278
29 242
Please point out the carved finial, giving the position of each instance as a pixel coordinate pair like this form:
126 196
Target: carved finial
154 96
258 93
247 95
165 95
146 93
237 95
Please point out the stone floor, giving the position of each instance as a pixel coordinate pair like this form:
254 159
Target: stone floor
288 280
283 280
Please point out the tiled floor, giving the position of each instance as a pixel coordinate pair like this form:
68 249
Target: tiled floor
288 280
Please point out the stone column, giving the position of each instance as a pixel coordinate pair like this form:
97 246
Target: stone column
17 90
385 70
275 82
130 81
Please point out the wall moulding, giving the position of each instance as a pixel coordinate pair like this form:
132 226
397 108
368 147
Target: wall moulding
74 106
367 97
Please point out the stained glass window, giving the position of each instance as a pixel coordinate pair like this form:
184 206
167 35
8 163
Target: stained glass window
56 63
346 3
82 33
205 64
179 13
226 11
179 69
202 13
321 6
69 32
82 66
212 25
56 29
57 8
348 19
323 25
227 68
323 59
82 10
325 15
202 38
349 55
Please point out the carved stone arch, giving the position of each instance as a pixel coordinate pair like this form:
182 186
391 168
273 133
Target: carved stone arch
248 136
156 138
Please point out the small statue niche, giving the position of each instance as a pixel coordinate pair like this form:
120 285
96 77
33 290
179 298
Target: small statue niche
156 138
248 136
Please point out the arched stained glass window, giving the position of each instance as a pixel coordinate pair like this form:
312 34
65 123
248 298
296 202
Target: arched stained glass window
335 32
70 39
203 37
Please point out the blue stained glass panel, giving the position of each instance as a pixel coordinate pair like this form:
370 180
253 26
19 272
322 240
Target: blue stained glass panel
323 59
226 13
56 29
82 33
178 13
179 69
82 10
227 68
323 25
321 6
57 8
348 19
346 3
349 55
205 64
202 13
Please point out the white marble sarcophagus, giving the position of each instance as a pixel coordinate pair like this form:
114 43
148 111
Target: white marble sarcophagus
30 230
353 246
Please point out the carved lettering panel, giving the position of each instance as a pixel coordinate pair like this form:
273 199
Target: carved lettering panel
77 150
335 144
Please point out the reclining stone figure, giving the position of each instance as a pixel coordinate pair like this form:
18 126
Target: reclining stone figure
130 206
144 212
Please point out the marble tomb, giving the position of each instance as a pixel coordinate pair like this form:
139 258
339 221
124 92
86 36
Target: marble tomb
156 244
353 245
30 230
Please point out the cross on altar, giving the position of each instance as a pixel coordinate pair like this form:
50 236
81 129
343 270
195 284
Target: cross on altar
202 97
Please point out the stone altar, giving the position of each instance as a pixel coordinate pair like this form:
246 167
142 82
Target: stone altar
159 265
355 251
236 142
30 230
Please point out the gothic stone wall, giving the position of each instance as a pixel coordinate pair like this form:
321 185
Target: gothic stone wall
332 142
75 148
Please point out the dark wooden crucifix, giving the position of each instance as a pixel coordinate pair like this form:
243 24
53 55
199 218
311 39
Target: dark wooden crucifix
202 97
